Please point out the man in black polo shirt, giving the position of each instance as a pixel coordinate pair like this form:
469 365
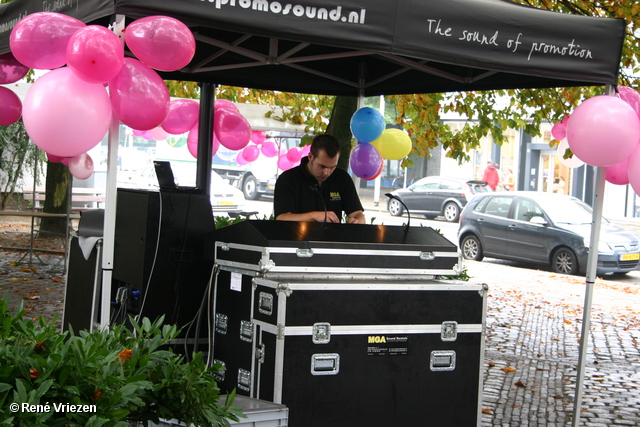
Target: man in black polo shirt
317 190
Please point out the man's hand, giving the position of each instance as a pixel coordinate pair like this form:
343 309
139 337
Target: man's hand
317 216
356 217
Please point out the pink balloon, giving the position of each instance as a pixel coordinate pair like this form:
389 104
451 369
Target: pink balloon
11 70
293 154
619 173
258 136
224 104
139 96
232 129
158 134
95 54
634 170
137 132
240 159
183 115
603 130
250 153
64 115
192 142
559 131
269 149
40 39
284 163
161 42
305 150
65 160
631 97
10 107
81 166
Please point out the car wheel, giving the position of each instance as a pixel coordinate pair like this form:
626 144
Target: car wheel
250 188
394 207
451 212
471 248
564 261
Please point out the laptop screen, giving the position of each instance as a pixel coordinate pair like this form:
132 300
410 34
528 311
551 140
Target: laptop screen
166 181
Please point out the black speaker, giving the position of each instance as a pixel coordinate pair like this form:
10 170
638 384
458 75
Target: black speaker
158 253
83 287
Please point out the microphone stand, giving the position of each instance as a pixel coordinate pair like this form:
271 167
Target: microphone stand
316 190
391 196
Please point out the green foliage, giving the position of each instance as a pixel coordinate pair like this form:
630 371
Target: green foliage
224 221
17 155
118 376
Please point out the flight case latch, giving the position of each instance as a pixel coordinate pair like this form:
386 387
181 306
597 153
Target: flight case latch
449 331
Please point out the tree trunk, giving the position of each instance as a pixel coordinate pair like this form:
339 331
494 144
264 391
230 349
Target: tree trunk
340 126
57 197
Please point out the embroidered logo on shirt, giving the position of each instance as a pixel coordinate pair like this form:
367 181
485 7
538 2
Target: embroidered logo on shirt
334 196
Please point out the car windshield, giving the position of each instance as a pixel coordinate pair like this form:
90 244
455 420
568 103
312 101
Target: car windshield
568 212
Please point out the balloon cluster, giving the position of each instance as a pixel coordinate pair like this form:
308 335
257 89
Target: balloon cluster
375 144
604 131
68 110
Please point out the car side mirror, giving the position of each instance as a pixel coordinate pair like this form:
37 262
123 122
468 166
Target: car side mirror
538 220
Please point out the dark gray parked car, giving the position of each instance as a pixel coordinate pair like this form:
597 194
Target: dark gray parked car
543 228
436 195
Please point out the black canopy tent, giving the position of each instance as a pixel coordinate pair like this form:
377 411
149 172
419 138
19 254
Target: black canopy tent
353 47
358 48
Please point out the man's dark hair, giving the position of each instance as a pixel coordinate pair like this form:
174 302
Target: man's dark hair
325 142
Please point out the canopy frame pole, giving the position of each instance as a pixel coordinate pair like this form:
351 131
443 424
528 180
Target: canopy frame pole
592 264
110 202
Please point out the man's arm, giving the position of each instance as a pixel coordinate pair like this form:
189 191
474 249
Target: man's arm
356 217
318 216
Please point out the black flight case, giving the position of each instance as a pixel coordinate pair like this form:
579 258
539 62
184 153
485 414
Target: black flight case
348 325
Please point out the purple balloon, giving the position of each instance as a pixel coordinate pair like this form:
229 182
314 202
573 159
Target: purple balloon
364 160
11 70
161 42
10 107
139 96
40 39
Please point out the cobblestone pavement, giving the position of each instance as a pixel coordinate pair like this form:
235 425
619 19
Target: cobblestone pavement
534 323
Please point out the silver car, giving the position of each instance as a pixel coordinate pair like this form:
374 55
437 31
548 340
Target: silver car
544 228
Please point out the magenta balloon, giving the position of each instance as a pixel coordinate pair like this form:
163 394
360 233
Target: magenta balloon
603 130
55 159
65 160
192 142
95 54
11 70
258 136
183 115
10 107
64 115
40 39
364 160
269 149
240 158
250 153
139 96
631 97
619 173
232 129
161 42
634 170
293 154
81 166
224 103
559 131
284 163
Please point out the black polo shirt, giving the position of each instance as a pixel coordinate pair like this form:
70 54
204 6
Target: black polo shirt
297 191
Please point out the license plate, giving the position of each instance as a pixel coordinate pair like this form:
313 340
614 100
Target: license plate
225 203
629 257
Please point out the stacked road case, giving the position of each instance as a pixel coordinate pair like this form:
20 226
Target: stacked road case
347 324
